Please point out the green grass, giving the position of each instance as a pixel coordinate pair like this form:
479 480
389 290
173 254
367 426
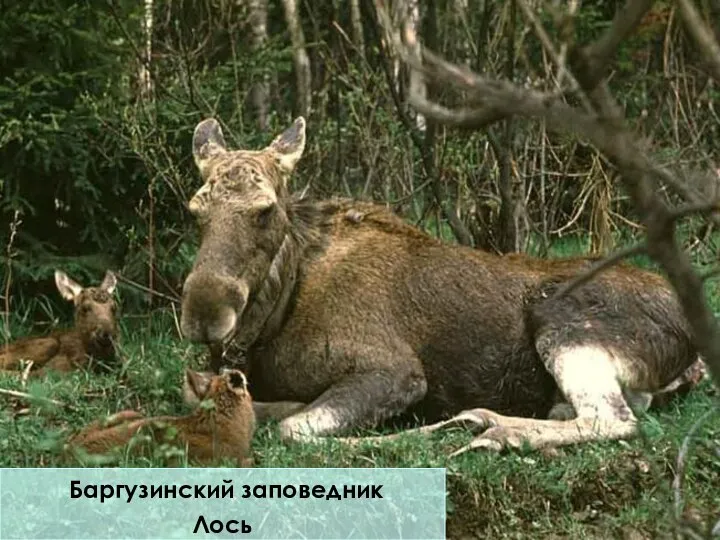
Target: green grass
598 490
603 490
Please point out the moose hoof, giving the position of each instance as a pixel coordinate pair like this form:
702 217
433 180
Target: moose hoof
495 439
295 430
474 420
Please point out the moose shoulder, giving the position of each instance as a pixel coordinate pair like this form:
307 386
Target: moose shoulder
345 307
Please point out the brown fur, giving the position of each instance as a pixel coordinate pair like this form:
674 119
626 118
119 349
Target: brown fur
93 336
343 306
210 434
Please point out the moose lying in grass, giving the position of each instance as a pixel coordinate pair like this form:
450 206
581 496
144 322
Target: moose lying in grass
220 427
344 307
92 337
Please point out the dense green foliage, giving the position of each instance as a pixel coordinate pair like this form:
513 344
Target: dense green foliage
96 175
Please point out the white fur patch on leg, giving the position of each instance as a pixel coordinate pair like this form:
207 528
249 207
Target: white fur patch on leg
588 378
310 424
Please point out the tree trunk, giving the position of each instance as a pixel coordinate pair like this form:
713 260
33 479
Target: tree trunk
145 82
511 186
417 82
357 27
259 93
460 12
301 60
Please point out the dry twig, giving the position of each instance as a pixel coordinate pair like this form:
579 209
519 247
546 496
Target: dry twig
26 373
681 460
599 266
25 395
143 288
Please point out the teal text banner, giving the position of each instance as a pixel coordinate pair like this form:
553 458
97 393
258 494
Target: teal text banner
154 504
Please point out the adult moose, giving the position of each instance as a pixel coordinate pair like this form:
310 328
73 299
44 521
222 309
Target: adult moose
343 306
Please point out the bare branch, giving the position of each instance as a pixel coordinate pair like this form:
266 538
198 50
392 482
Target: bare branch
694 208
599 266
608 132
598 55
557 58
461 118
138 286
702 35
590 63
680 462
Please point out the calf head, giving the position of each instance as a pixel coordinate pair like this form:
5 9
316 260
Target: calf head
225 390
241 210
95 308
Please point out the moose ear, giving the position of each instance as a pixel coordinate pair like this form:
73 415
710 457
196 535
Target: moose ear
195 386
208 141
290 145
109 282
67 287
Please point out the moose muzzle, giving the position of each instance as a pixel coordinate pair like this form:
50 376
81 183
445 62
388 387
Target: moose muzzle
211 307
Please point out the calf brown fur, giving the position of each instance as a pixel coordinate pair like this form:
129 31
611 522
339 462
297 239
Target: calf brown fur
222 430
345 307
93 335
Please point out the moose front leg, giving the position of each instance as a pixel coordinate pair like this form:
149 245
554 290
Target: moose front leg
359 400
266 411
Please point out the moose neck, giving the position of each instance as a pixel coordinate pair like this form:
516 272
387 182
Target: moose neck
264 315
309 226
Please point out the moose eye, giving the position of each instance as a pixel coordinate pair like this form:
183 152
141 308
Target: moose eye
264 216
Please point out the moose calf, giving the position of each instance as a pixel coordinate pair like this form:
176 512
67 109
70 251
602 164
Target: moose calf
93 335
221 430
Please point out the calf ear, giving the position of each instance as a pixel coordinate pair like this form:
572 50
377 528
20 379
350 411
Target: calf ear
68 288
236 379
208 142
109 282
289 146
195 386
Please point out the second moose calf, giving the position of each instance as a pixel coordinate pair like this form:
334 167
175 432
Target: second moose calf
220 427
93 335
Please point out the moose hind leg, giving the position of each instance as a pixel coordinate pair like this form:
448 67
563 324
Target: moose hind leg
588 376
358 400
